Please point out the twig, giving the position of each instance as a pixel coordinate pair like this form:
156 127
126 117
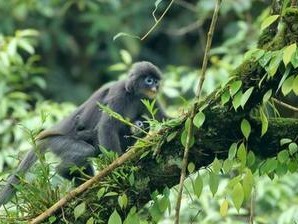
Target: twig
198 94
288 106
158 21
207 49
80 189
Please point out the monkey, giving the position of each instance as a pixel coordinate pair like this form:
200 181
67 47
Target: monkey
75 138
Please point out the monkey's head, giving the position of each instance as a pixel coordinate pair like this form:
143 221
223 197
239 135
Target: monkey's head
143 80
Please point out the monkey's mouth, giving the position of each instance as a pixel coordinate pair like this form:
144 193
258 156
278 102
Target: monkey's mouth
151 93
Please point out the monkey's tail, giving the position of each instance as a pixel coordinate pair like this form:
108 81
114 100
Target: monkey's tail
8 191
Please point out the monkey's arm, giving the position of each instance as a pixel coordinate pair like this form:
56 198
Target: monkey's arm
108 133
160 114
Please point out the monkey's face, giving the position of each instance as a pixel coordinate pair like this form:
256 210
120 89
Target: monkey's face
150 86
144 80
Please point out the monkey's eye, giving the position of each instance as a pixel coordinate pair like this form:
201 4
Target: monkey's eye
139 124
149 81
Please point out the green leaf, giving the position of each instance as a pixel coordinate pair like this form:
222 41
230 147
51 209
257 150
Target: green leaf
224 208
115 218
185 133
247 183
245 128
232 151
288 53
238 196
191 167
270 165
234 87
225 97
284 141
264 121
132 217
126 57
294 60
101 192
265 59
254 54
198 185
241 154
122 34
293 166
216 165
268 21
79 210
267 96
274 63
246 96
287 86
122 200
213 182
295 85
227 165
25 45
90 221
52 219
199 119
285 75
293 148
283 156
251 158
237 100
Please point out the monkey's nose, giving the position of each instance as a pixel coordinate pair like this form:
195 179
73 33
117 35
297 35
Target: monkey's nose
154 89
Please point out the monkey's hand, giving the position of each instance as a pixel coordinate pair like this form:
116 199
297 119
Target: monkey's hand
48 133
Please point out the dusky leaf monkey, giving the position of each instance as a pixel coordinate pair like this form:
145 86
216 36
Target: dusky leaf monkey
76 137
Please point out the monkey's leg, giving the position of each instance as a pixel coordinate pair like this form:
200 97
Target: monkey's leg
72 153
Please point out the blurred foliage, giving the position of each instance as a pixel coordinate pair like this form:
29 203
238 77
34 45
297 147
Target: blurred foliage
76 37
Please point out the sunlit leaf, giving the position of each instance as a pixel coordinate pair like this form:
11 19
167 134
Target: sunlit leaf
225 97
295 85
247 183
268 21
267 96
288 53
241 154
238 196
245 96
224 208
213 182
199 119
274 63
237 100
115 218
287 86
234 87
198 185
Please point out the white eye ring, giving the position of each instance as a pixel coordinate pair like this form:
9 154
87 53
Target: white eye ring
149 80
139 124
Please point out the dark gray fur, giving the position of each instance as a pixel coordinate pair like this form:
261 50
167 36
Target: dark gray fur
76 137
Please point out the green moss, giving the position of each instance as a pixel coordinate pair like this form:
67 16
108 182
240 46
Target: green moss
290 19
